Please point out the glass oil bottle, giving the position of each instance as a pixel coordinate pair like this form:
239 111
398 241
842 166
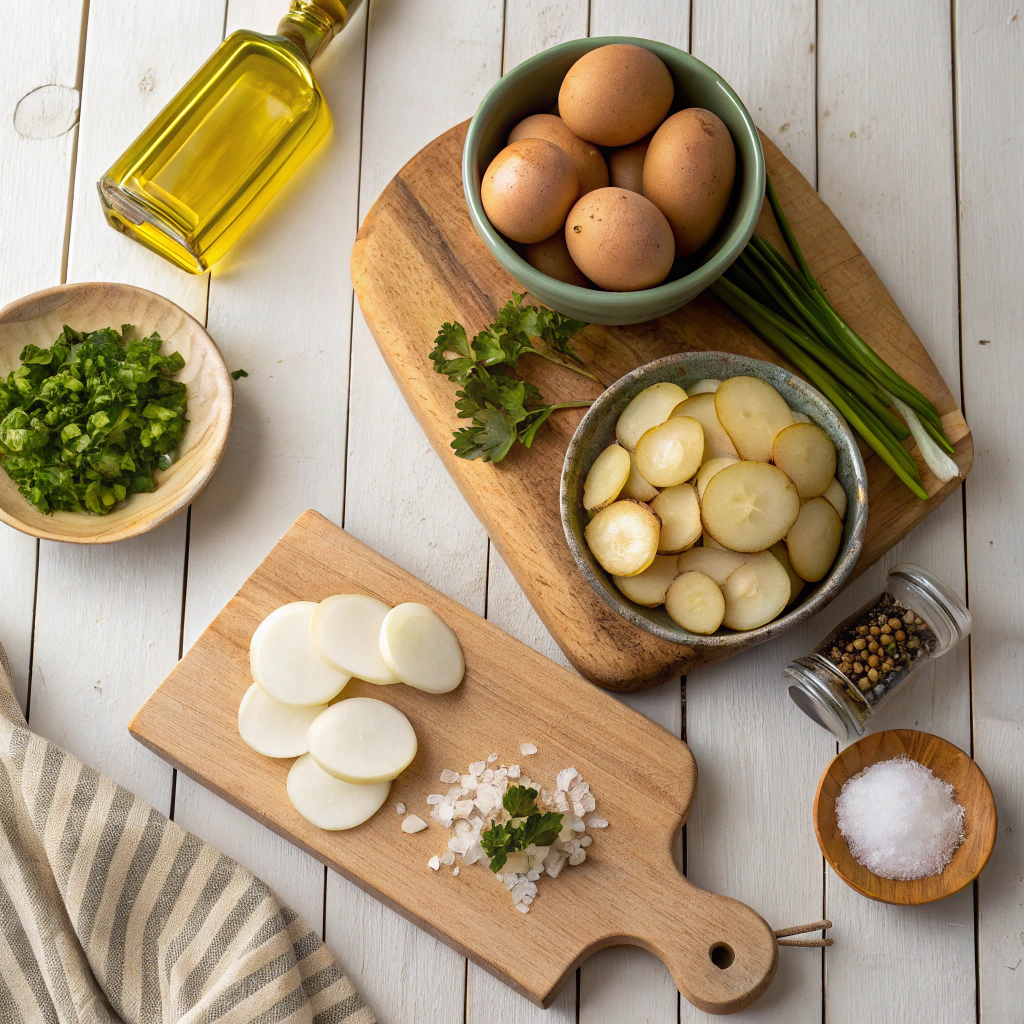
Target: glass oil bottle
215 156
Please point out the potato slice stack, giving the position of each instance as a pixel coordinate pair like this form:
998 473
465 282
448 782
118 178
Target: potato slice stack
721 503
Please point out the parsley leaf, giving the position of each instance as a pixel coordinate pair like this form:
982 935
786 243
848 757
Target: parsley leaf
528 827
503 408
88 421
236 374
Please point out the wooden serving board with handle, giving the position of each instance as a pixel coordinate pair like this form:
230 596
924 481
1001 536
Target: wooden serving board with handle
628 890
417 262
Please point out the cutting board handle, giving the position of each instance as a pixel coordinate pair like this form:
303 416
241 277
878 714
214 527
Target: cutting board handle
721 954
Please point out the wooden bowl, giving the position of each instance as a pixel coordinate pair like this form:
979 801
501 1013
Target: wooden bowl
39 319
950 764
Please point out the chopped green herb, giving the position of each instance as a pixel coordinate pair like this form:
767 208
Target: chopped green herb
528 827
86 422
504 408
235 374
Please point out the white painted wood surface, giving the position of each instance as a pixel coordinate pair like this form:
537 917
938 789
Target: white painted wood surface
862 97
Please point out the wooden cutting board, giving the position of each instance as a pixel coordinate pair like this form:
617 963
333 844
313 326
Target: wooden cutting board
629 890
417 262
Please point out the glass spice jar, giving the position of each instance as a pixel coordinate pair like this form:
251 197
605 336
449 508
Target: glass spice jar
870 656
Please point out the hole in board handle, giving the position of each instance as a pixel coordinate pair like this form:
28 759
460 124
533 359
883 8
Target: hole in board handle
721 955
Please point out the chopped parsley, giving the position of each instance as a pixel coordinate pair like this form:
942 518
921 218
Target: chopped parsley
87 421
529 826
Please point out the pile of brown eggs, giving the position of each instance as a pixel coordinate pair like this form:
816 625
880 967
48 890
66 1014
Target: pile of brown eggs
610 190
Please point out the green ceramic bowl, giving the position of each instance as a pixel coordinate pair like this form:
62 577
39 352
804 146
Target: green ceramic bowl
597 430
531 88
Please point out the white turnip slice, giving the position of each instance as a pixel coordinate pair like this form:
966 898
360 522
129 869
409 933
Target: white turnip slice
679 512
806 454
652 406
345 633
671 452
362 740
330 803
273 728
695 602
749 506
756 592
717 443
624 537
648 588
752 412
814 540
284 662
421 648
606 478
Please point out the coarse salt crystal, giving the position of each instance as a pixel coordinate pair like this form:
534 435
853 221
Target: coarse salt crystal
566 778
513 771
577 825
400 807
434 863
492 758
527 748
523 908
447 858
434 798
414 823
477 768
468 783
578 857
448 776
585 841
594 821
455 870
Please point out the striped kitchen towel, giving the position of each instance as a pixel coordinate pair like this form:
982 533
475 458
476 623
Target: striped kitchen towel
108 910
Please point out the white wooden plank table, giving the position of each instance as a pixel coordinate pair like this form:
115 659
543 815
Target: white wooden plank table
907 114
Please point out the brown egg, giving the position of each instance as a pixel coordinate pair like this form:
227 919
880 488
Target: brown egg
615 94
590 165
689 173
552 257
626 165
620 240
528 189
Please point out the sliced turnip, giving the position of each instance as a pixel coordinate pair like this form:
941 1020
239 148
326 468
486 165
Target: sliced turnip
717 443
835 495
636 487
671 452
813 542
346 631
796 584
652 406
284 662
679 511
707 386
806 454
708 470
362 740
756 592
624 537
649 587
749 506
273 728
330 803
606 478
752 412
695 602
717 563
421 648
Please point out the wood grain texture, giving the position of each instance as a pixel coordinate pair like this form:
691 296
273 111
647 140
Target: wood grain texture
990 82
39 318
417 262
642 775
948 763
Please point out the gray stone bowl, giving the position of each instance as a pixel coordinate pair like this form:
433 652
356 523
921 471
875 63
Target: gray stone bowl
597 430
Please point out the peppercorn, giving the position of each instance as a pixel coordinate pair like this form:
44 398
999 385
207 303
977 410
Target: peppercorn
900 636
860 643
873 646
858 668
873 675
886 631
874 661
874 631
864 684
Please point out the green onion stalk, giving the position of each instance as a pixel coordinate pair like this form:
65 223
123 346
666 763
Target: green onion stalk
787 308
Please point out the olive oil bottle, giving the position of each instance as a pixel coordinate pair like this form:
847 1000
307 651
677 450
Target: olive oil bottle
215 156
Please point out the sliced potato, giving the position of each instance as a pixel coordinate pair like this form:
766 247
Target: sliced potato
717 563
695 602
813 542
756 592
709 542
345 631
362 740
606 478
679 511
624 537
835 495
717 444
749 506
708 470
273 728
421 648
330 803
652 406
752 412
671 452
636 486
707 386
806 454
648 588
796 584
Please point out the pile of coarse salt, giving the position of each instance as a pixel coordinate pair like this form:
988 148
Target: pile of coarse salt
899 820
474 802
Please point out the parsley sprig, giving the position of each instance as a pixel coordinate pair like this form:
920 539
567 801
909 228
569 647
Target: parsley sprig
529 826
504 408
87 421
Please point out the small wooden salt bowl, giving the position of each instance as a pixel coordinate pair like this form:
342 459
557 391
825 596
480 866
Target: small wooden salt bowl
948 763
39 318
